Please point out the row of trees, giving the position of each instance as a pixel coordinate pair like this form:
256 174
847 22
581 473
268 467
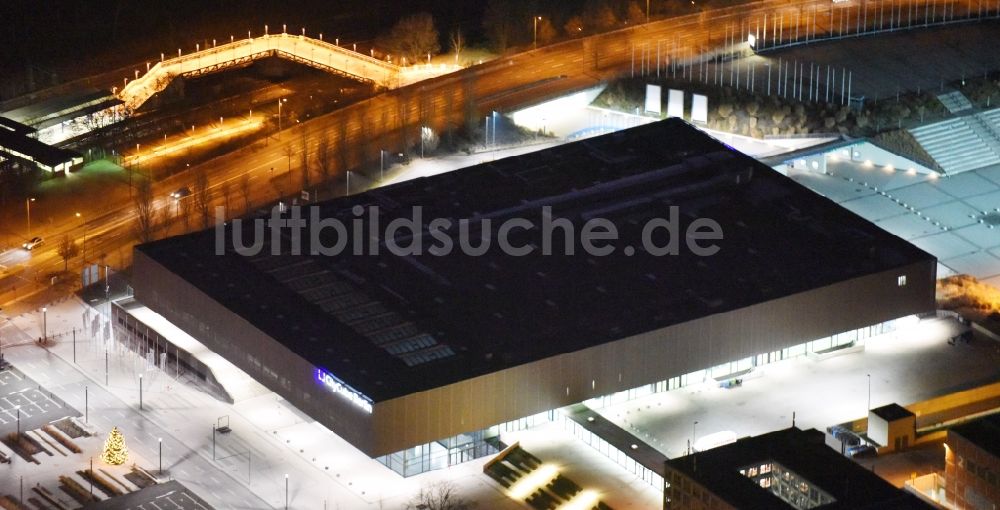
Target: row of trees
507 23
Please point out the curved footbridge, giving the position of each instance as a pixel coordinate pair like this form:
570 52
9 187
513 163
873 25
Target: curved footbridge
314 53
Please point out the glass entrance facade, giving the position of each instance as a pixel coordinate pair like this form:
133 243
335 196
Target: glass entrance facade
736 368
460 448
473 445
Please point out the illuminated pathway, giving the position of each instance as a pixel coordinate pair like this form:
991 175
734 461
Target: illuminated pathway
190 139
297 48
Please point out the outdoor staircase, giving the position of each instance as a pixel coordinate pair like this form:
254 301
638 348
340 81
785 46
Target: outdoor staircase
962 143
992 121
955 101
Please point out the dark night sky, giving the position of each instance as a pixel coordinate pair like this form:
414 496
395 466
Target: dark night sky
49 34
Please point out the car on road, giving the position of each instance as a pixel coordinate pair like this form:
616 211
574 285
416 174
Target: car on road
33 243
181 193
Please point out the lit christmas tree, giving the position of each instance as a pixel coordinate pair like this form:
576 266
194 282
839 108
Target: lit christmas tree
115 452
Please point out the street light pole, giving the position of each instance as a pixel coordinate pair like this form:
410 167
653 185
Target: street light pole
381 164
84 244
27 208
160 440
140 392
869 392
282 100
694 434
45 324
534 44
286 491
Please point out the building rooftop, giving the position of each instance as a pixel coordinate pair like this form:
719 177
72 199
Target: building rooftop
15 127
393 325
983 432
892 412
727 472
62 106
30 148
637 449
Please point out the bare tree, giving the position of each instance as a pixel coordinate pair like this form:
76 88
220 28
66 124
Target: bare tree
226 190
244 191
599 15
574 27
67 250
412 37
439 496
289 151
145 213
184 211
343 156
498 25
457 41
304 159
546 32
324 160
634 14
200 194
403 102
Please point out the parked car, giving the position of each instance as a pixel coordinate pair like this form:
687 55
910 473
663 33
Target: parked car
861 451
33 243
845 436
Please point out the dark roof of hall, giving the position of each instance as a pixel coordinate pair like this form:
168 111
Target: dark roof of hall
494 311
803 452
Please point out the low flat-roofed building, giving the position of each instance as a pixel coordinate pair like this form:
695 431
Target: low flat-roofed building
892 427
57 107
66 116
27 150
403 355
782 470
972 464
15 127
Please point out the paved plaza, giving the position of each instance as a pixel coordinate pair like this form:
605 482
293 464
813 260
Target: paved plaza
910 365
22 397
165 496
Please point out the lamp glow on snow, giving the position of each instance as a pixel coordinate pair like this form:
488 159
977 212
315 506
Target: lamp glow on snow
115 452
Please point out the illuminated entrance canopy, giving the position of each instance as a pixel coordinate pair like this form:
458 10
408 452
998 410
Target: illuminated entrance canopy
337 386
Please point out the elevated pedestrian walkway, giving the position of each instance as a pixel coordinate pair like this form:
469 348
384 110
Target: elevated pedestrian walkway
297 48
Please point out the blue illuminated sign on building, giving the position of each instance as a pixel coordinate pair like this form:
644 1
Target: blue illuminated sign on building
337 386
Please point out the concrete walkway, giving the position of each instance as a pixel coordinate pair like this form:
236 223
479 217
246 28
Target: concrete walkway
270 438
